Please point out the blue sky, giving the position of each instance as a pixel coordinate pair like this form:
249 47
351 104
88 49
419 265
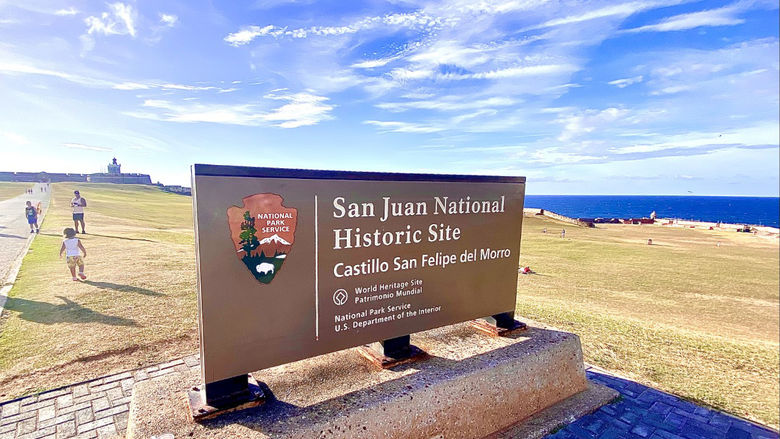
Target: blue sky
596 97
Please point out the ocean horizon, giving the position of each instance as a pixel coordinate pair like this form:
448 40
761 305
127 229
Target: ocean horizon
763 211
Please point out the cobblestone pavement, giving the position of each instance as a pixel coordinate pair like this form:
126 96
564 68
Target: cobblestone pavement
99 409
644 412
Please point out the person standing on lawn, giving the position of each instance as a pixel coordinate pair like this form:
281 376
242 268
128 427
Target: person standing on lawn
78 203
32 217
73 253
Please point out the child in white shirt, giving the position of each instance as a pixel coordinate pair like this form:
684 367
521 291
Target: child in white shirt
71 246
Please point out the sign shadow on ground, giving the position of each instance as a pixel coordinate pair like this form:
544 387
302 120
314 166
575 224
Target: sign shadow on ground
123 288
67 312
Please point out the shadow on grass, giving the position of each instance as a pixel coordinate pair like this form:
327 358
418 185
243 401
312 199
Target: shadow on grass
67 312
87 235
58 235
122 288
5 235
117 237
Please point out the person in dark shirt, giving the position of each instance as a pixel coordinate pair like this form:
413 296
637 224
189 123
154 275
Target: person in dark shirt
32 217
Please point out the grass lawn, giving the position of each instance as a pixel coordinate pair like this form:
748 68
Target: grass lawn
137 307
683 315
11 189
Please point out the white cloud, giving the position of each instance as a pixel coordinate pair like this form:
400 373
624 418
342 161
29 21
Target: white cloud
14 138
131 86
625 82
170 86
301 109
403 127
118 20
742 71
670 90
516 72
169 20
65 12
557 156
491 7
617 11
758 135
451 52
21 68
87 147
725 16
246 35
374 63
588 121
411 20
449 104
404 75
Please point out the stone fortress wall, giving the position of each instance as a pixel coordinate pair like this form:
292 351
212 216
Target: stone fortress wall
56 177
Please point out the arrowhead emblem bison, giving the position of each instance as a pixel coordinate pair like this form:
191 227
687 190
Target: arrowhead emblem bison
263 232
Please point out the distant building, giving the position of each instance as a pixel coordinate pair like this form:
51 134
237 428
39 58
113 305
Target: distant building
114 175
114 167
42 177
176 189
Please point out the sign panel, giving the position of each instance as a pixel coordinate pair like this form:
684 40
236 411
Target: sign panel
298 263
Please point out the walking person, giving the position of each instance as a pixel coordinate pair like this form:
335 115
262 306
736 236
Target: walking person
563 233
78 203
32 217
73 253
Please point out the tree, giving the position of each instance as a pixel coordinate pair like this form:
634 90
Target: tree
248 241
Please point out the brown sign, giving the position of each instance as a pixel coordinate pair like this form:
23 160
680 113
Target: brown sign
295 263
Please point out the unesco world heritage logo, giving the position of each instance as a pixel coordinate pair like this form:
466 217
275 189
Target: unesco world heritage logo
263 232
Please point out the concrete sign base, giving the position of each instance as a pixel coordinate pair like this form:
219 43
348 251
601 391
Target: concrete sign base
471 385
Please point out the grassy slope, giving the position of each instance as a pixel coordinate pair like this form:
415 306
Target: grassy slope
138 306
12 189
683 314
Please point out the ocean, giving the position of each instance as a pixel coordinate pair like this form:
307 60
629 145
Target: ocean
763 211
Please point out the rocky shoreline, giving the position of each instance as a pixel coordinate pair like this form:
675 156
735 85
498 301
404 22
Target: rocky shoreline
671 222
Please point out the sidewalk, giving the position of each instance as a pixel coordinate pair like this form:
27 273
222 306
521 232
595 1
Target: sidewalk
95 408
644 412
15 236
100 408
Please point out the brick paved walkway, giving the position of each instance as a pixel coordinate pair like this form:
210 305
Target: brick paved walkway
99 408
644 412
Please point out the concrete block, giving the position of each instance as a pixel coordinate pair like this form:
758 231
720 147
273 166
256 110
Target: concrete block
471 386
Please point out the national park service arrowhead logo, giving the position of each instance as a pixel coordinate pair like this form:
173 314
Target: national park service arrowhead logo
263 232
